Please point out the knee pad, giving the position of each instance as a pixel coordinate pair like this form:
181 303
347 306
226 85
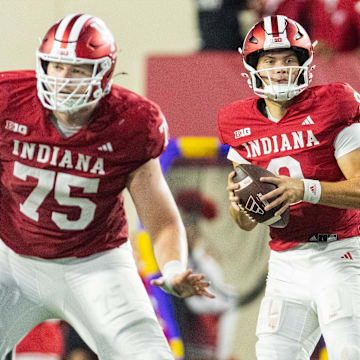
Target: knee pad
336 304
270 315
286 330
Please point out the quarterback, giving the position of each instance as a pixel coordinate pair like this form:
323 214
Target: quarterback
309 138
69 144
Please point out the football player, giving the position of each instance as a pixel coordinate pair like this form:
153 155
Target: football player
310 138
70 143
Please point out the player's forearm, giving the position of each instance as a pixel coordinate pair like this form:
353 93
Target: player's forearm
169 244
241 219
343 194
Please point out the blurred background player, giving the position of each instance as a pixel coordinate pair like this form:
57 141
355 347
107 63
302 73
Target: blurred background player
219 25
334 23
207 327
313 142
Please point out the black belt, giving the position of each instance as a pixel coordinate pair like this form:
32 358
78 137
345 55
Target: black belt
323 238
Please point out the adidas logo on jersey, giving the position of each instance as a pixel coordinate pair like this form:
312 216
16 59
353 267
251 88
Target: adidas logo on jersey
308 121
106 147
347 256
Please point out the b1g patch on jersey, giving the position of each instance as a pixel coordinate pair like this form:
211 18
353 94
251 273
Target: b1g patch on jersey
15 127
242 132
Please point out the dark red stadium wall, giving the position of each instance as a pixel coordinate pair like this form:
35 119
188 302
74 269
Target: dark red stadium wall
192 88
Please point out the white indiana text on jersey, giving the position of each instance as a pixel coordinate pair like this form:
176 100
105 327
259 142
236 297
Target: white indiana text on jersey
46 154
281 143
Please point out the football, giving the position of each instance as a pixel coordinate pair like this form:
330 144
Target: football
251 189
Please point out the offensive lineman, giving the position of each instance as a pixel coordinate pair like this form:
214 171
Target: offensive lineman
69 144
311 137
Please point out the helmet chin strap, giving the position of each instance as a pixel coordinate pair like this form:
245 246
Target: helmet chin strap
69 106
69 111
280 92
275 91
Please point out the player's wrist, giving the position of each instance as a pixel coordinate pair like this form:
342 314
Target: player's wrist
312 191
171 269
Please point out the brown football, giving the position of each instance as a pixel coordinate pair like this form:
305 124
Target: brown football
251 189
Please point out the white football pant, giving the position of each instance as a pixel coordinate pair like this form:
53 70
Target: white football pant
101 296
312 289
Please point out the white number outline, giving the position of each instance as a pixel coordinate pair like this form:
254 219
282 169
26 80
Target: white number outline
293 165
47 179
288 162
357 96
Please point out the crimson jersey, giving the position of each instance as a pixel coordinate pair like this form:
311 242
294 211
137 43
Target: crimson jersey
61 196
300 145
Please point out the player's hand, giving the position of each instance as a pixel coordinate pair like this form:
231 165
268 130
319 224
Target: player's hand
289 191
231 187
187 284
234 200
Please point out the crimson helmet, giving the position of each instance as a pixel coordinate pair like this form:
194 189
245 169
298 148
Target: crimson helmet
273 33
76 39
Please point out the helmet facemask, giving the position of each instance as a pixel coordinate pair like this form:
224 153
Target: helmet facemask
71 94
279 92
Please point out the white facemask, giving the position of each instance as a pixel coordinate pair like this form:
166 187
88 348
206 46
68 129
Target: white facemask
279 92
